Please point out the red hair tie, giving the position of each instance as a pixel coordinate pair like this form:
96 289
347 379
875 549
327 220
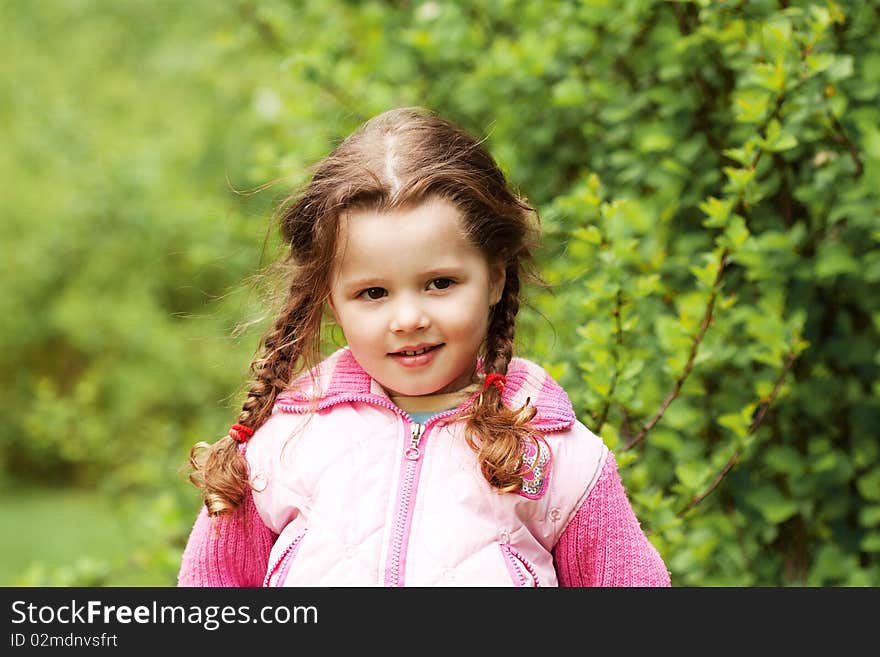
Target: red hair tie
240 432
498 379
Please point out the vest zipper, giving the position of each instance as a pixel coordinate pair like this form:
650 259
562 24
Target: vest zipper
413 452
411 468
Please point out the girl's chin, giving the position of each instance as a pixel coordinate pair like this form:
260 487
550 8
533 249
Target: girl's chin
411 392
427 390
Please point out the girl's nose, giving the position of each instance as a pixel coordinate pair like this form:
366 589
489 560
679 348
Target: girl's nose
409 317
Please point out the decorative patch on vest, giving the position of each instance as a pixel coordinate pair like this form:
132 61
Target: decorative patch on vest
536 462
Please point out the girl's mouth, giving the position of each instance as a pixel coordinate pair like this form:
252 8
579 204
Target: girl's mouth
415 353
416 357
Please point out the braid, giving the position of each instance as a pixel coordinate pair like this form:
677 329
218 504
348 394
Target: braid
272 372
493 431
220 470
502 326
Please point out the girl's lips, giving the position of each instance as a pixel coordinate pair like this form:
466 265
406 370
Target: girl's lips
419 360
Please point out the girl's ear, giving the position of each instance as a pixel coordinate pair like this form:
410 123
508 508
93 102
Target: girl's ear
497 279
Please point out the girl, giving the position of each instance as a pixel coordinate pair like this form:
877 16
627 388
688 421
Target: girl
422 453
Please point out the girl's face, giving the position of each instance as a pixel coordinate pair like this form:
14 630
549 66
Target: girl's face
412 296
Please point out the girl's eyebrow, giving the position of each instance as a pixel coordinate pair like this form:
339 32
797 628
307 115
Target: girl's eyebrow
362 283
438 272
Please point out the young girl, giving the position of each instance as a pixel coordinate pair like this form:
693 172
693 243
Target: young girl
422 453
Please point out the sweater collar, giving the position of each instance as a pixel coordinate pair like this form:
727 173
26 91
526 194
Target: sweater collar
340 379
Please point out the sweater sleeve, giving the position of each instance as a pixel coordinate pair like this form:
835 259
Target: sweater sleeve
227 551
604 544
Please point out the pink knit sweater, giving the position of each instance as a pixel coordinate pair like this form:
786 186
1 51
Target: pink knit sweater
603 545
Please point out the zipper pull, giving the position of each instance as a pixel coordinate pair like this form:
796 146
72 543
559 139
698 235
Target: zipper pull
413 452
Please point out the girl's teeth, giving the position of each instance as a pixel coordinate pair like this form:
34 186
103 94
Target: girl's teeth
414 353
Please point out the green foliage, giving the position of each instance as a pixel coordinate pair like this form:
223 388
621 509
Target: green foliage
706 173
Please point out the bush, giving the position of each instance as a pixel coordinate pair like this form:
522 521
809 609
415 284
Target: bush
707 175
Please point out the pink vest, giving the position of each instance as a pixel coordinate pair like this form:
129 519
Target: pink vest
362 496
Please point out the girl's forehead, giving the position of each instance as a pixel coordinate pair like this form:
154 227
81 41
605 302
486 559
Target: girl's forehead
427 231
436 219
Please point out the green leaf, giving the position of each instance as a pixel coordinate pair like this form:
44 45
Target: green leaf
840 68
590 234
776 139
869 485
738 422
869 516
569 92
769 76
743 155
670 334
654 138
668 440
706 274
717 211
870 542
692 475
784 459
735 234
751 105
833 260
818 62
771 504
610 436
738 179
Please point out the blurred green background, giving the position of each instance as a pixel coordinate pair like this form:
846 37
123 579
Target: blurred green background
707 175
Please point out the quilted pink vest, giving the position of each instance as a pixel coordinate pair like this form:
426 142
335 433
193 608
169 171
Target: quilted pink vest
362 496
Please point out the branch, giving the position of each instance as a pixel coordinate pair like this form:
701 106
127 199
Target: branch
759 414
758 417
695 347
618 333
785 198
699 498
676 388
839 135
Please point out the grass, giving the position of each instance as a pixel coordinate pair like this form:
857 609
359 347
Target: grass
47 531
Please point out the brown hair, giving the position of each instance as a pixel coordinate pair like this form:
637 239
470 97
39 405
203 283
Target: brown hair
398 158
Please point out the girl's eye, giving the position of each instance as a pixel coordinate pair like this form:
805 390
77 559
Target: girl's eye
442 283
373 293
